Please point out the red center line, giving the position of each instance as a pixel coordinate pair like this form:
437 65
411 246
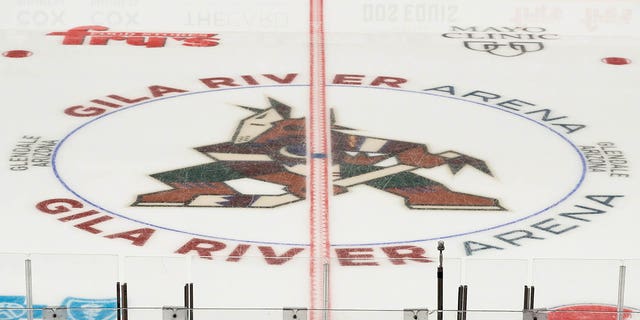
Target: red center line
319 164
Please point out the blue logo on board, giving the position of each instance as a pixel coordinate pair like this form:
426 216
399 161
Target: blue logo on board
15 308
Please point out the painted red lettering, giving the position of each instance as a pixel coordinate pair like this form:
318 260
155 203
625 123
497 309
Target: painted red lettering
201 42
78 215
202 247
159 91
82 111
348 79
238 252
250 80
287 79
349 257
76 36
88 225
271 257
55 206
138 237
399 254
106 103
215 83
389 81
126 100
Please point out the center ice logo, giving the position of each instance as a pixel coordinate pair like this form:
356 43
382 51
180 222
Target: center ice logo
268 147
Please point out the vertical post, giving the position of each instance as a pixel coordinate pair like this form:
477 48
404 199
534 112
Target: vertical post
125 303
185 295
118 301
526 298
464 302
532 296
440 282
621 282
325 290
460 298
191 301
188 300
29 286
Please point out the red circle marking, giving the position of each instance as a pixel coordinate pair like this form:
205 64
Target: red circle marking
587 312
616 60
17 53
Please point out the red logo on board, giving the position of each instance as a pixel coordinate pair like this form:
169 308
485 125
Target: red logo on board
588 312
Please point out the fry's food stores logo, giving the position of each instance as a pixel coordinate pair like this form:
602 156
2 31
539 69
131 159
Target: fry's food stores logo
99 35
232 196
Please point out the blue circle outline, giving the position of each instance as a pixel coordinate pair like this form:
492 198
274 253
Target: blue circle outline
74 131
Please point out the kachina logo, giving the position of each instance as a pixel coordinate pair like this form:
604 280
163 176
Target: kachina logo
269 146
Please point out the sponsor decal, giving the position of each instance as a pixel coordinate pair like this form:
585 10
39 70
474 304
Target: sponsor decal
31 151
592 311
15 308
501 41
100 35
90 309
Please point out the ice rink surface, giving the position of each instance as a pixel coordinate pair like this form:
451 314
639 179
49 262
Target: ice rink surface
311 154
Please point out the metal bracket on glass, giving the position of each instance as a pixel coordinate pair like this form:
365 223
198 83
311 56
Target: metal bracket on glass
535 314
294 314
416 314
54 313
174 313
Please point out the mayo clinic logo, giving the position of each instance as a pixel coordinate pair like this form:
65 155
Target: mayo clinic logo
501 41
